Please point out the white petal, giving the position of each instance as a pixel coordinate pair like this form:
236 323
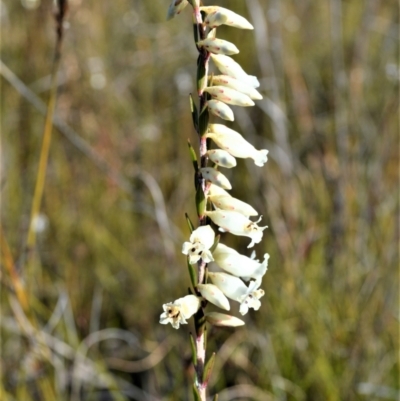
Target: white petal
231 286
237 224
223 249
218 46
176 7
251 299
220 109
214 295
226 80
190 304
215 177
207 257
230 203
230 67
186 247
222 158
194 250
220 319
205 235
216 190
219 15
230 96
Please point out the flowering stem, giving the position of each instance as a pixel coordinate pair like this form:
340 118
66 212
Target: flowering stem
234 87
202 125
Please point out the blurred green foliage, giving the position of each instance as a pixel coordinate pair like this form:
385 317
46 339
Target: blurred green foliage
108 251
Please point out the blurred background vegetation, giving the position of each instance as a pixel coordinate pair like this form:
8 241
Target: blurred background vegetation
119 180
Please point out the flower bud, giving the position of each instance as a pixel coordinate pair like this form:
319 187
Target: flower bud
216 190
221 158
231 286
215 177
229 96
220 319
230 67
218 46
217 16
230 203
214 295
226 80
235 144
176 7
237 224
220 109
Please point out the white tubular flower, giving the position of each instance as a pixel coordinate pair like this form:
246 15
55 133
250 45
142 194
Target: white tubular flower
218 46
215 177
226 80
220 109
178 311
218 16
214 295
216 190
235 289
221 158
252 298
237 224
235 144
176 7
240 265
230 96
221 248
201 240
220 319
230 67
230 203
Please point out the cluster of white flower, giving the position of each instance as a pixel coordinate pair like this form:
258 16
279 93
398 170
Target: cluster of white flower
228 271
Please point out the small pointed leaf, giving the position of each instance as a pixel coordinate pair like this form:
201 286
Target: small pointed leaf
196 393
216 241
195 114
201 75
189 222
193 347
193 156
208 369
192 274
200 201
203 121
